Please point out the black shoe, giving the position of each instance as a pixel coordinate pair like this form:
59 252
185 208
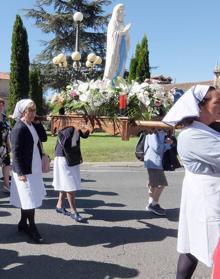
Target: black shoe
23 227
36 236
156 209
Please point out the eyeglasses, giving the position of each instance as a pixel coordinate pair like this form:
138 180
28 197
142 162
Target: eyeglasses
31 110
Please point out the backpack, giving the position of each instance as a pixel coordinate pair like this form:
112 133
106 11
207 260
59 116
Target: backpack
139 149
170 160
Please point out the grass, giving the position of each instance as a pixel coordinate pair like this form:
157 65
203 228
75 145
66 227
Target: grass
101 147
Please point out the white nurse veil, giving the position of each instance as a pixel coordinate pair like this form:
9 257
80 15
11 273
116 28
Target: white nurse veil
20 108
187 105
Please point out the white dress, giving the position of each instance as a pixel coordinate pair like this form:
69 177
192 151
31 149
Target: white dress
29 194
199 222
65 178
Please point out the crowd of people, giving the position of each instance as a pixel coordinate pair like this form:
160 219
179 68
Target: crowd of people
195 113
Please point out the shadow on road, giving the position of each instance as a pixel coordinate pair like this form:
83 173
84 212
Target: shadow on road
4 213
50 179
125 215
43 266
82 235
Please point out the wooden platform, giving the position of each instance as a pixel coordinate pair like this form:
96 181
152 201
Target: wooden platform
120 126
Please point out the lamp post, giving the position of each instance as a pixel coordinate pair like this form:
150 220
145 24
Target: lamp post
92 58
76 56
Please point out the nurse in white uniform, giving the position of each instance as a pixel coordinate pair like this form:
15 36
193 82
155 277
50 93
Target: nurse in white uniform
199 150
27 187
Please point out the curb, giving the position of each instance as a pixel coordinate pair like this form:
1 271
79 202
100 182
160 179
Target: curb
110 164
115 164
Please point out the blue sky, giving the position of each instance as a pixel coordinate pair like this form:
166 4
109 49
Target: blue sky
183 36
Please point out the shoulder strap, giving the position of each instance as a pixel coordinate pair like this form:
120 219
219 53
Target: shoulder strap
146 139
59 141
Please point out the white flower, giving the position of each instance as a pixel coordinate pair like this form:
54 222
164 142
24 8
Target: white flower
83 86
143 98
84 96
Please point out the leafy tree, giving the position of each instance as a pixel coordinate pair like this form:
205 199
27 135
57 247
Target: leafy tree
139 65
19 68
60 25
36 89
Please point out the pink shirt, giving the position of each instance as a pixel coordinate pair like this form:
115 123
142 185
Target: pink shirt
216 266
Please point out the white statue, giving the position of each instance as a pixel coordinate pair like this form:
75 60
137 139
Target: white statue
118 44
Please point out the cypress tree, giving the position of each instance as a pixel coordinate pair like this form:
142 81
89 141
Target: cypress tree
36 90
132 69
19 68
143 69
139 65
134 63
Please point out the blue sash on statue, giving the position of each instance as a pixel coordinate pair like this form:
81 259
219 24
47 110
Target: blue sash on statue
122 58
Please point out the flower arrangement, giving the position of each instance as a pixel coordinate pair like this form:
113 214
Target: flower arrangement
101 98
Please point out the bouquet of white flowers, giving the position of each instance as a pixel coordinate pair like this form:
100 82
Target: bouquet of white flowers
100 98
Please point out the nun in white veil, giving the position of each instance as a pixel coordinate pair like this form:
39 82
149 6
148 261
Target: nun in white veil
118 43
27 187
199 151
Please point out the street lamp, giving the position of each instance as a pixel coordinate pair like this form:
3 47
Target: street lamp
92 58
60 60
76 56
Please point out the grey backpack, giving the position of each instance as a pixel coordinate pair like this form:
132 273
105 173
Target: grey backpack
139 149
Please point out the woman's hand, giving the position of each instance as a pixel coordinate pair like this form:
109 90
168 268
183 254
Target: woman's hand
84 128
22 178
168 141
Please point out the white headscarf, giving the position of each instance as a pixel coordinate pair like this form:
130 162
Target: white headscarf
20 108
187 105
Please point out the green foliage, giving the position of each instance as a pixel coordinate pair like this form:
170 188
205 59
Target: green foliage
55 17
19 68
36 90
132 69
100 147
134 108
139 65
143 69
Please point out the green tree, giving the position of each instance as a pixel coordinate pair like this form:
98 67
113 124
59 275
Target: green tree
36 89
55 17
139 65
19 68
143 68
133 64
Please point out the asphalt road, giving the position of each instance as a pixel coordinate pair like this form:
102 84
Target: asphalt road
119 239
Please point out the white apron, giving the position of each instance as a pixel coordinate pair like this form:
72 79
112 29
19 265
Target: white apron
29 194
199 224
65 178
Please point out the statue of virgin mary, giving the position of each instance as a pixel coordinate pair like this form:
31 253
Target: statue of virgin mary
118 44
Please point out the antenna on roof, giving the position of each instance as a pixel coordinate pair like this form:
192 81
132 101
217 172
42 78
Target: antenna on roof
216 66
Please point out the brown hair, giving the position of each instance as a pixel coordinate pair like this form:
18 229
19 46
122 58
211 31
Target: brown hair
206 99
